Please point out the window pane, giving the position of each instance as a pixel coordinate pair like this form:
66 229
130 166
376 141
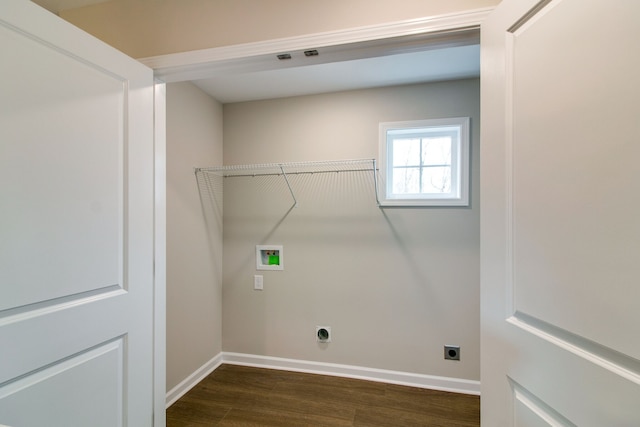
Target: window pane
436 180
425 162
406 181
406 152
436 151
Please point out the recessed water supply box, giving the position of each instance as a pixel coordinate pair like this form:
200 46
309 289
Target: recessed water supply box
269 257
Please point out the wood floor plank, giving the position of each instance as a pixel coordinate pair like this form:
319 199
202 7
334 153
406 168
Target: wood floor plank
193 409
331 390
246 396
433 402
279 418
376 417
287 402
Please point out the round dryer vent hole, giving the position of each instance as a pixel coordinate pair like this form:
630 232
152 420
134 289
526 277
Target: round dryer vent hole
323 333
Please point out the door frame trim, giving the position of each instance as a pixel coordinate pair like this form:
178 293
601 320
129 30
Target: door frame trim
199 64
160 255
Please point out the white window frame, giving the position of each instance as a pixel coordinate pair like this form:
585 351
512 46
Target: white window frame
459 195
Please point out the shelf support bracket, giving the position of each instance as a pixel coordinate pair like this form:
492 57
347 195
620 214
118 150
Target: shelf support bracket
375 180
295 201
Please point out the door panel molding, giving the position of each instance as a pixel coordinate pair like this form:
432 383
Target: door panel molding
562 229
530 410
615 362
43 308
59 332
82 107
96 400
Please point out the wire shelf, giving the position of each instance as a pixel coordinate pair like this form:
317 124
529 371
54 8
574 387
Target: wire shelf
296 168
292 168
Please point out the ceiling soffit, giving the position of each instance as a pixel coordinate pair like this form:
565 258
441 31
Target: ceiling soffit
365 42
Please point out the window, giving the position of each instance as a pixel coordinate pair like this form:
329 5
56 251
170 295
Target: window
425 162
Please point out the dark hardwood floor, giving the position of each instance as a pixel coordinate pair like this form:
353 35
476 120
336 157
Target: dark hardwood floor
245 396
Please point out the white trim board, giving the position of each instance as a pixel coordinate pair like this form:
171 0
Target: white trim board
192 380
455 385
199 64
160 256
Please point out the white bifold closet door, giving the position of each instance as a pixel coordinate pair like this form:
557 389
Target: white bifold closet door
76 229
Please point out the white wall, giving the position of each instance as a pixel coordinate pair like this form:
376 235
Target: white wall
395 285
194 242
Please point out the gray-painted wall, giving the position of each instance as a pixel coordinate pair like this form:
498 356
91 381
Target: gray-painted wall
395 285
194 241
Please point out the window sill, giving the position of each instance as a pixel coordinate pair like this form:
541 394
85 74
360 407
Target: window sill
423 203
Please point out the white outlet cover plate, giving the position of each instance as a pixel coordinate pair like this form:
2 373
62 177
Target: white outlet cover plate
258 282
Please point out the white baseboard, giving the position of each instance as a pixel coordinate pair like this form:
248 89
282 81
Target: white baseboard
188 383
455 385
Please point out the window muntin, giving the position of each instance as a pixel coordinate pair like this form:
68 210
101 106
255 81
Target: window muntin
425 162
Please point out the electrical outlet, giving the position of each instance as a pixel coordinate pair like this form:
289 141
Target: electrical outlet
452 352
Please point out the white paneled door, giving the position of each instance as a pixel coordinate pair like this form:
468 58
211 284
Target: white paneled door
561 214
76 230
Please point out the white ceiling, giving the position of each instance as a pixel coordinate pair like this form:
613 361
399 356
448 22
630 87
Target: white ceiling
398 69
